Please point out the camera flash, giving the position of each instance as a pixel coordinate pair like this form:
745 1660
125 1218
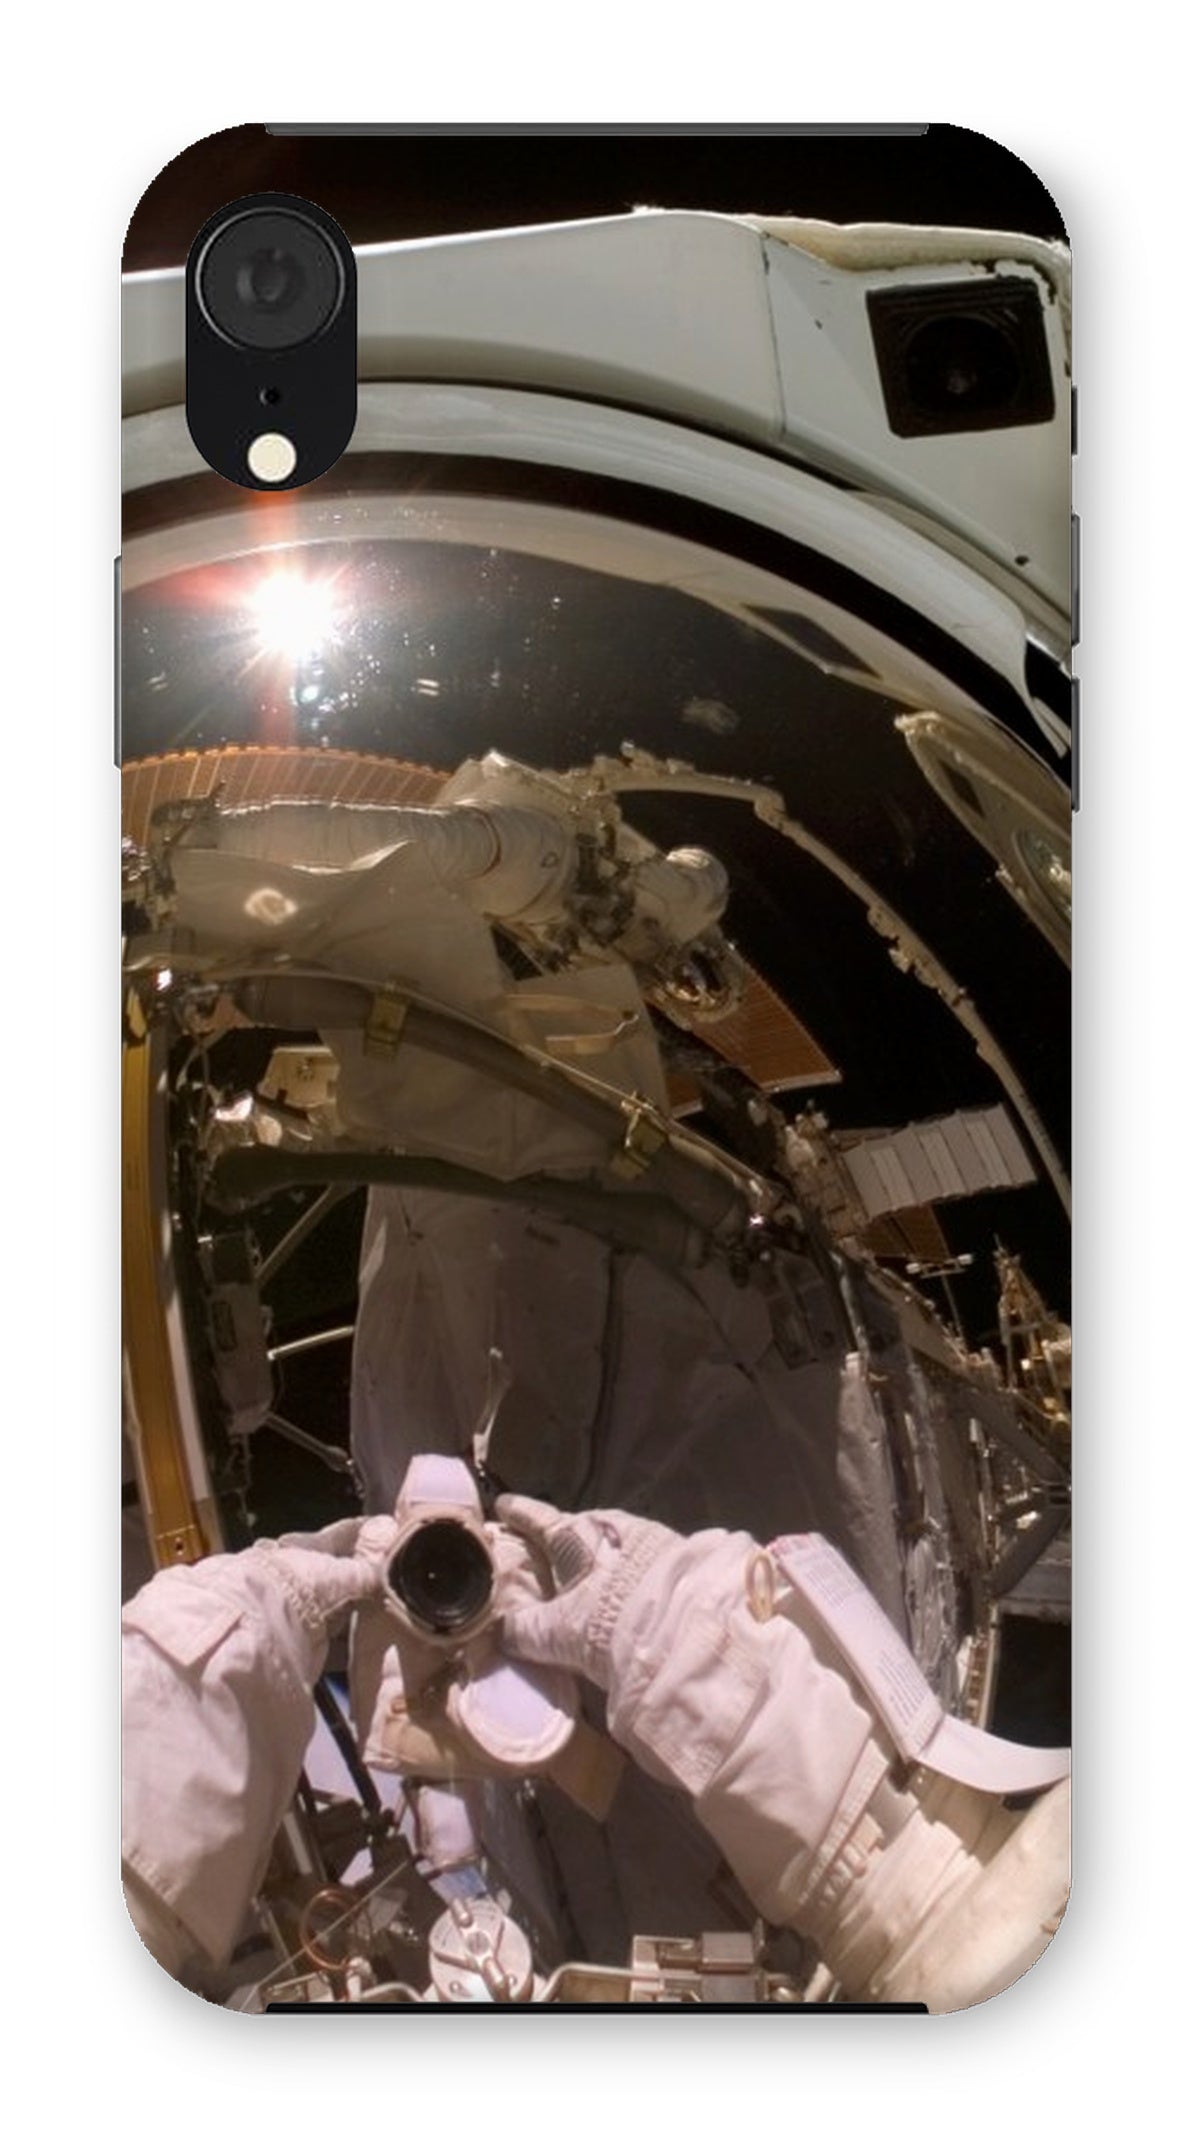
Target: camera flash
271 457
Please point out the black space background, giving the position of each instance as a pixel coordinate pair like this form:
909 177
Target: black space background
420 184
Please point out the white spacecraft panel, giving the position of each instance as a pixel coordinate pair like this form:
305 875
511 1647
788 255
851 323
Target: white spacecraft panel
952 1157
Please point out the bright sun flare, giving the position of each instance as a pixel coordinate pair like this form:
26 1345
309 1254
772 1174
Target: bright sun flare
294 617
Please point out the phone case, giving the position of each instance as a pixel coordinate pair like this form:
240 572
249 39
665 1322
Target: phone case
596 1031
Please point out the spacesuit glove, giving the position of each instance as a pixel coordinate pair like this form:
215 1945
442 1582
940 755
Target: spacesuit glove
596 1560
340 1538
325 1574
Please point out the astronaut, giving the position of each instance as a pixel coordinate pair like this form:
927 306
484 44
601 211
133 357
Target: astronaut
751 1680
408 896
754 1734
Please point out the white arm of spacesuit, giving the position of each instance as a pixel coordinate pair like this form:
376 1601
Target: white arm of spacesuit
728 1679
709 1694
739 1712
218 1665
742 1713
919 1882
503 862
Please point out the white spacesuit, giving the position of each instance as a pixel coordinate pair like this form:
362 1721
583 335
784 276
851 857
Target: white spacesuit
400 896
625 1383
727 1677
408 896
218 1663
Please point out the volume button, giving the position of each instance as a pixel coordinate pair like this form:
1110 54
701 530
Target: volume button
1074 580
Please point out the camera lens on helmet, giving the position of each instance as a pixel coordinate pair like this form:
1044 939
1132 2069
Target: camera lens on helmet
270 279
960 362
442 1575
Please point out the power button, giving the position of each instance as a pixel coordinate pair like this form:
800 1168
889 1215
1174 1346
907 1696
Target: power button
1074 580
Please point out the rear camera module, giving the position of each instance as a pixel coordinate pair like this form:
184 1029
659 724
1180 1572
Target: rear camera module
271 324
269 280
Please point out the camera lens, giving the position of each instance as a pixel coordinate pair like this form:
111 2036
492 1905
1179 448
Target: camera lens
270 280
443 1575
961 363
